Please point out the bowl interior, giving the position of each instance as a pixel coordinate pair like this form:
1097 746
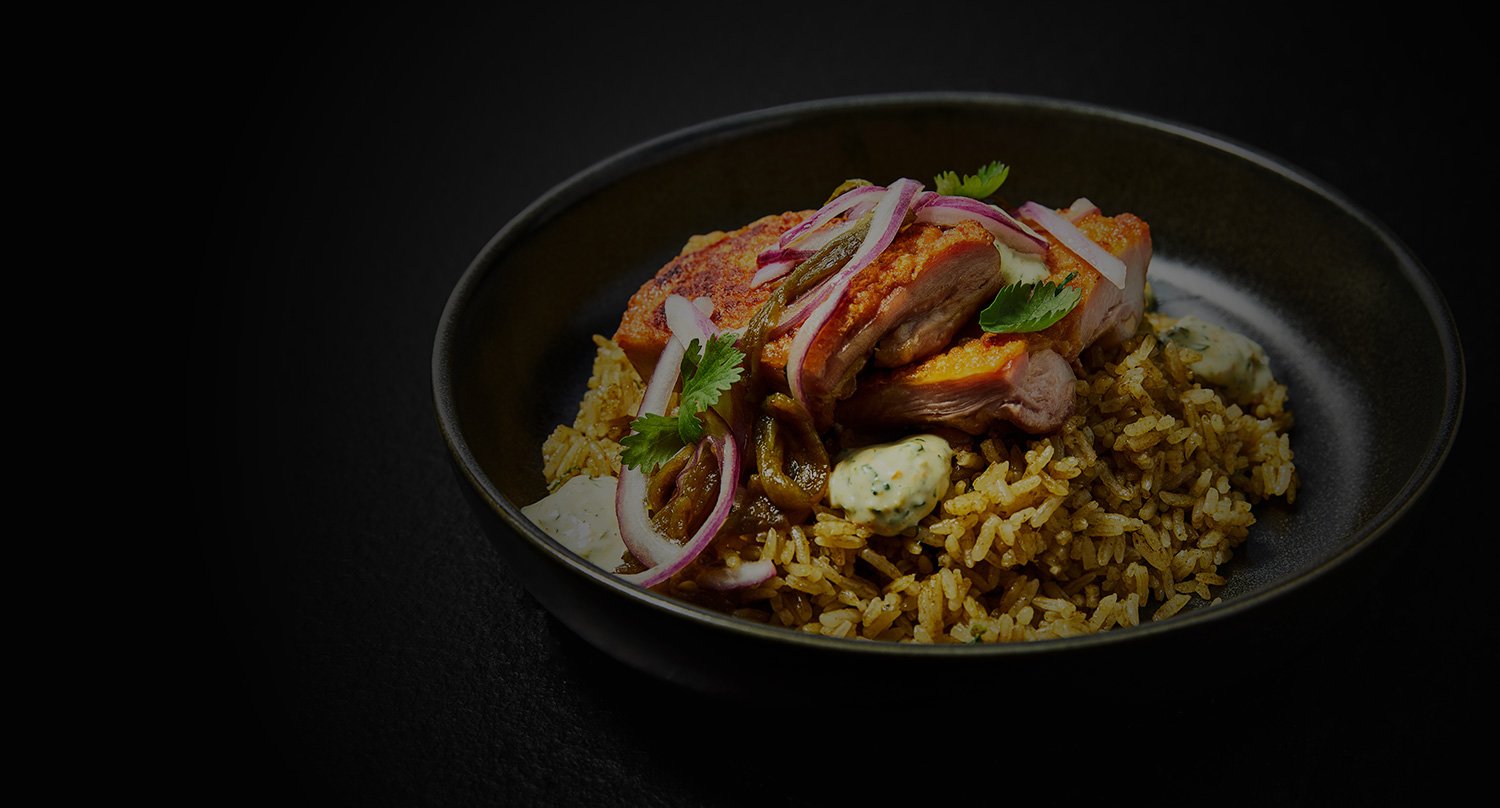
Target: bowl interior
1238 238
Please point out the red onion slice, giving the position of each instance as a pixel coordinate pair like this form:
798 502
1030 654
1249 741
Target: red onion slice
812 242
778 261
839 206
663 380
777 255
1080 208
890 214
669 557
771 272
1071 237
950 210
746 575
640 536
687 320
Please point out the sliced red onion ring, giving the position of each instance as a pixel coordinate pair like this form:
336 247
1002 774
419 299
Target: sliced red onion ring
1071 237
690 320
746 575
890 214
641 538
687 320
1080 208
779 261
950 210
805 247
839 206
777 255
812 242
663 380
647 545
669 557
771 272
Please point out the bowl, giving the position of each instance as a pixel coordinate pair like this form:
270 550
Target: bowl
1239 237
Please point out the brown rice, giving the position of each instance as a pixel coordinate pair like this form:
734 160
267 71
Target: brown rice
1125 514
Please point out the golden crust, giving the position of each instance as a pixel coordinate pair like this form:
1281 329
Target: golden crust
717 266
1118 235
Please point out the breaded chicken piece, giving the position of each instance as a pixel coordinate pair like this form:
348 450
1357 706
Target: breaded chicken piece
905 306
1026 380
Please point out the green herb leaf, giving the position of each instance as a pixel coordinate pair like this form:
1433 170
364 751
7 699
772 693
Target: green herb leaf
690 357
713 373
652 442
707 373
1024 307
980 186
689 426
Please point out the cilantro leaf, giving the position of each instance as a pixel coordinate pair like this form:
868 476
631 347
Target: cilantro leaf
713 373
707 373
984 184
689 426
652 442
690 358
1024 307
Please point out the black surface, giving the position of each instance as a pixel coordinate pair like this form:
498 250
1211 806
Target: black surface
370 648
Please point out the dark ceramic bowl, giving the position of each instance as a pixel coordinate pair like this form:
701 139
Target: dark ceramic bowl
1239 237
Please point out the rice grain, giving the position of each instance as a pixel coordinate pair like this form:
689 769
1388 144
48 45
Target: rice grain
1127 513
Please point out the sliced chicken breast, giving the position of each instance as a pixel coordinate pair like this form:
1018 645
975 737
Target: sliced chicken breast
1026 380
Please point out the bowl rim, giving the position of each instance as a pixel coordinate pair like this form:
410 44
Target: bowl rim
653 151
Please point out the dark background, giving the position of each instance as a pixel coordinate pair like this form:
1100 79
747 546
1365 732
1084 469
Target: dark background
362 644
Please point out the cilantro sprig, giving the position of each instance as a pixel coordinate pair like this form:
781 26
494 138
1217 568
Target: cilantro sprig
707 373
975 186
652 441
1024 307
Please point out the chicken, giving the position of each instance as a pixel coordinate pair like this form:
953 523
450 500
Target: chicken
1106 313
907 305
719 266
1026 380
978 382
904 307
911 315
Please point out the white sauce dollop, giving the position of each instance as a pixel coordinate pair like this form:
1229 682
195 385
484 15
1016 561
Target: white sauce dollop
889 487
1230 360
581 515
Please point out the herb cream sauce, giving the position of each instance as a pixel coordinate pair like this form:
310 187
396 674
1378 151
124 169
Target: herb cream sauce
889 487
